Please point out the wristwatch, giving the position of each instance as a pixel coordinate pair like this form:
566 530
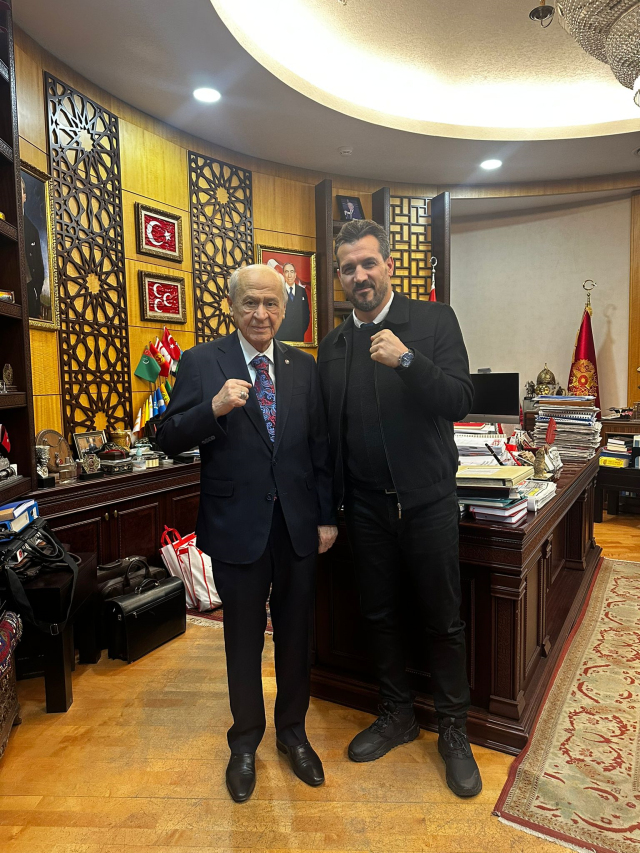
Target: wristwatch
405 359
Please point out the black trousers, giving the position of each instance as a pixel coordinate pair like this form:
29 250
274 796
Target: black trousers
414 555
244 590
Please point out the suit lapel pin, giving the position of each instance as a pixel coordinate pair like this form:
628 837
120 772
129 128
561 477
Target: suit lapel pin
286 361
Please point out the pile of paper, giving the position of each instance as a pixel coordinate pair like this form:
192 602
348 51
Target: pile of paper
480 446
577 435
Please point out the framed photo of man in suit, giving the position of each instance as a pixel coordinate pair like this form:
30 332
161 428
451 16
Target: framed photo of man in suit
298 273
39 248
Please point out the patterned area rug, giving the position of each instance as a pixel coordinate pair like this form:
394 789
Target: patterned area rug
578 780
215 618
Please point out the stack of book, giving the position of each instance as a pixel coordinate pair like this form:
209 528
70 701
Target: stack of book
14 516
496 495
619 451
577 435
479 446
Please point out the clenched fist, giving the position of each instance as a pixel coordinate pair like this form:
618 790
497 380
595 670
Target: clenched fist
387 348
233 394
327 535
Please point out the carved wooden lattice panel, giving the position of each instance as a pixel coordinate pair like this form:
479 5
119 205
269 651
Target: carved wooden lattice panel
410 238
221 235
94 345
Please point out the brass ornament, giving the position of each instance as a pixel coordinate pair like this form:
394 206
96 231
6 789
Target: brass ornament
7 374
90 463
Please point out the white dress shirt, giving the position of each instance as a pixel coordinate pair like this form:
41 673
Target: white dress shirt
377 319
250 352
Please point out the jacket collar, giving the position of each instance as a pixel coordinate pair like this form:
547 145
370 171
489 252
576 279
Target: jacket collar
398 315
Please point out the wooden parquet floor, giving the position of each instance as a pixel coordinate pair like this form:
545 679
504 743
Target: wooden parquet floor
137 765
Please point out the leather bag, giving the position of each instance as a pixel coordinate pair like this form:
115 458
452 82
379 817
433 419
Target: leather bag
126 575
141 621
23 556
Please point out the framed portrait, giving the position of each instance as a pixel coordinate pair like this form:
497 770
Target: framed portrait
39 248
158 233
298 273
350 207
89 442
162 297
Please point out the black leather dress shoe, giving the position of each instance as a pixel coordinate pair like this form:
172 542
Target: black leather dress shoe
241 775
305 762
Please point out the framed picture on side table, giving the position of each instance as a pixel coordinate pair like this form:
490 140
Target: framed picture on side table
158 233
297 270
162 297
39 248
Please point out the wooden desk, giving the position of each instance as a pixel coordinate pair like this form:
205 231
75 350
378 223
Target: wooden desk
522 591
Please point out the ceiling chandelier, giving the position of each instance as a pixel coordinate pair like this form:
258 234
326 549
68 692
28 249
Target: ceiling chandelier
608 30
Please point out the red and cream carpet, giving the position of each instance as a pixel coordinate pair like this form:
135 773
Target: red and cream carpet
578 780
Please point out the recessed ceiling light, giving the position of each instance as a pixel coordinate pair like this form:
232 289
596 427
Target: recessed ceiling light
207 96
491 164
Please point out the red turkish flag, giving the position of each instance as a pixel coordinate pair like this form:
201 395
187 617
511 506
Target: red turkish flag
583 377
159 233
432 294
4 438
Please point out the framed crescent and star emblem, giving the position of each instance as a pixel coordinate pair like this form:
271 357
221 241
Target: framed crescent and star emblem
158 233
162 297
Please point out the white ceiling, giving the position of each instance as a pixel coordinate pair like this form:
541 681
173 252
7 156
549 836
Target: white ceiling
153 53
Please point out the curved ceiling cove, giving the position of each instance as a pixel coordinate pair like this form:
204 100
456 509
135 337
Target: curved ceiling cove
451 69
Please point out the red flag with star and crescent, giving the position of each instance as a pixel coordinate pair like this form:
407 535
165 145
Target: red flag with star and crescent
583 377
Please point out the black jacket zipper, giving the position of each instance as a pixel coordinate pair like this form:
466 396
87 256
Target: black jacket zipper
341 422
384 442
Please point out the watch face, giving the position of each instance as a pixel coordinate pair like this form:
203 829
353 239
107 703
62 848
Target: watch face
406 358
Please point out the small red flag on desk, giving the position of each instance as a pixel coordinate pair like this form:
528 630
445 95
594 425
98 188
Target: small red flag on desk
4 438
583 378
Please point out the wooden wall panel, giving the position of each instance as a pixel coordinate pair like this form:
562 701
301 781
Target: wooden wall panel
33 156
45 362
634 304
129 200
264 237
47 412
30 95
283 205
153 167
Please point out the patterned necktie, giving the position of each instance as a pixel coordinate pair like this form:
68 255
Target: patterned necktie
369 327
266 393
291 295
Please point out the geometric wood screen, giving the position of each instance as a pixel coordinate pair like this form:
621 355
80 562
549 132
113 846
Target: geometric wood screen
84 149
410 238
221 236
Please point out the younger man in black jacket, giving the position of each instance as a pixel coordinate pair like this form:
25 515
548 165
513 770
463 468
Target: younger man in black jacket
394 377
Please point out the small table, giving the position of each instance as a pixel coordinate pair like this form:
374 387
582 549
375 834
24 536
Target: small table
612 481
48 595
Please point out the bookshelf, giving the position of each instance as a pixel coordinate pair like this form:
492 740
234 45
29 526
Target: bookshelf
16 409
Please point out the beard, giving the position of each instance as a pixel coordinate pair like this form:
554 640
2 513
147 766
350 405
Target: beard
370 304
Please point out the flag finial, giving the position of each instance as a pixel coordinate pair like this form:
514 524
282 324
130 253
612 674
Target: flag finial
588 285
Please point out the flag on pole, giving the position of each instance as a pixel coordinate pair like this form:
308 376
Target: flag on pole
165 355
168 387
153 404
162 406
148 412
165 394
169 343
148 368
163 364
583 377
138 424
432 293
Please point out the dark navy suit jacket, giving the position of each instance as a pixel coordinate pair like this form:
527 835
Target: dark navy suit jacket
242 469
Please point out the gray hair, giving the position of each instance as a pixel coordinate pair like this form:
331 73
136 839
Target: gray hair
356 229
237 277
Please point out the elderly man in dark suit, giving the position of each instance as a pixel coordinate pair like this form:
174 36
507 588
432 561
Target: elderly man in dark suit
253 406
296 320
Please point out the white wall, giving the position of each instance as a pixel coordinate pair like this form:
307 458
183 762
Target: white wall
516 286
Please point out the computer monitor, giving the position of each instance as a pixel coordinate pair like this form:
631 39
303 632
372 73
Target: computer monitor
496 398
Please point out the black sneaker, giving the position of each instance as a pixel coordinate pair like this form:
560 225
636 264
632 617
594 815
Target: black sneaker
393 727
463 776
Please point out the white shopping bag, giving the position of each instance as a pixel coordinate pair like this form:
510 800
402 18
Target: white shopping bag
186 561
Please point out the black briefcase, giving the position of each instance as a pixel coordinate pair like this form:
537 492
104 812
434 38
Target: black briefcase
142 620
